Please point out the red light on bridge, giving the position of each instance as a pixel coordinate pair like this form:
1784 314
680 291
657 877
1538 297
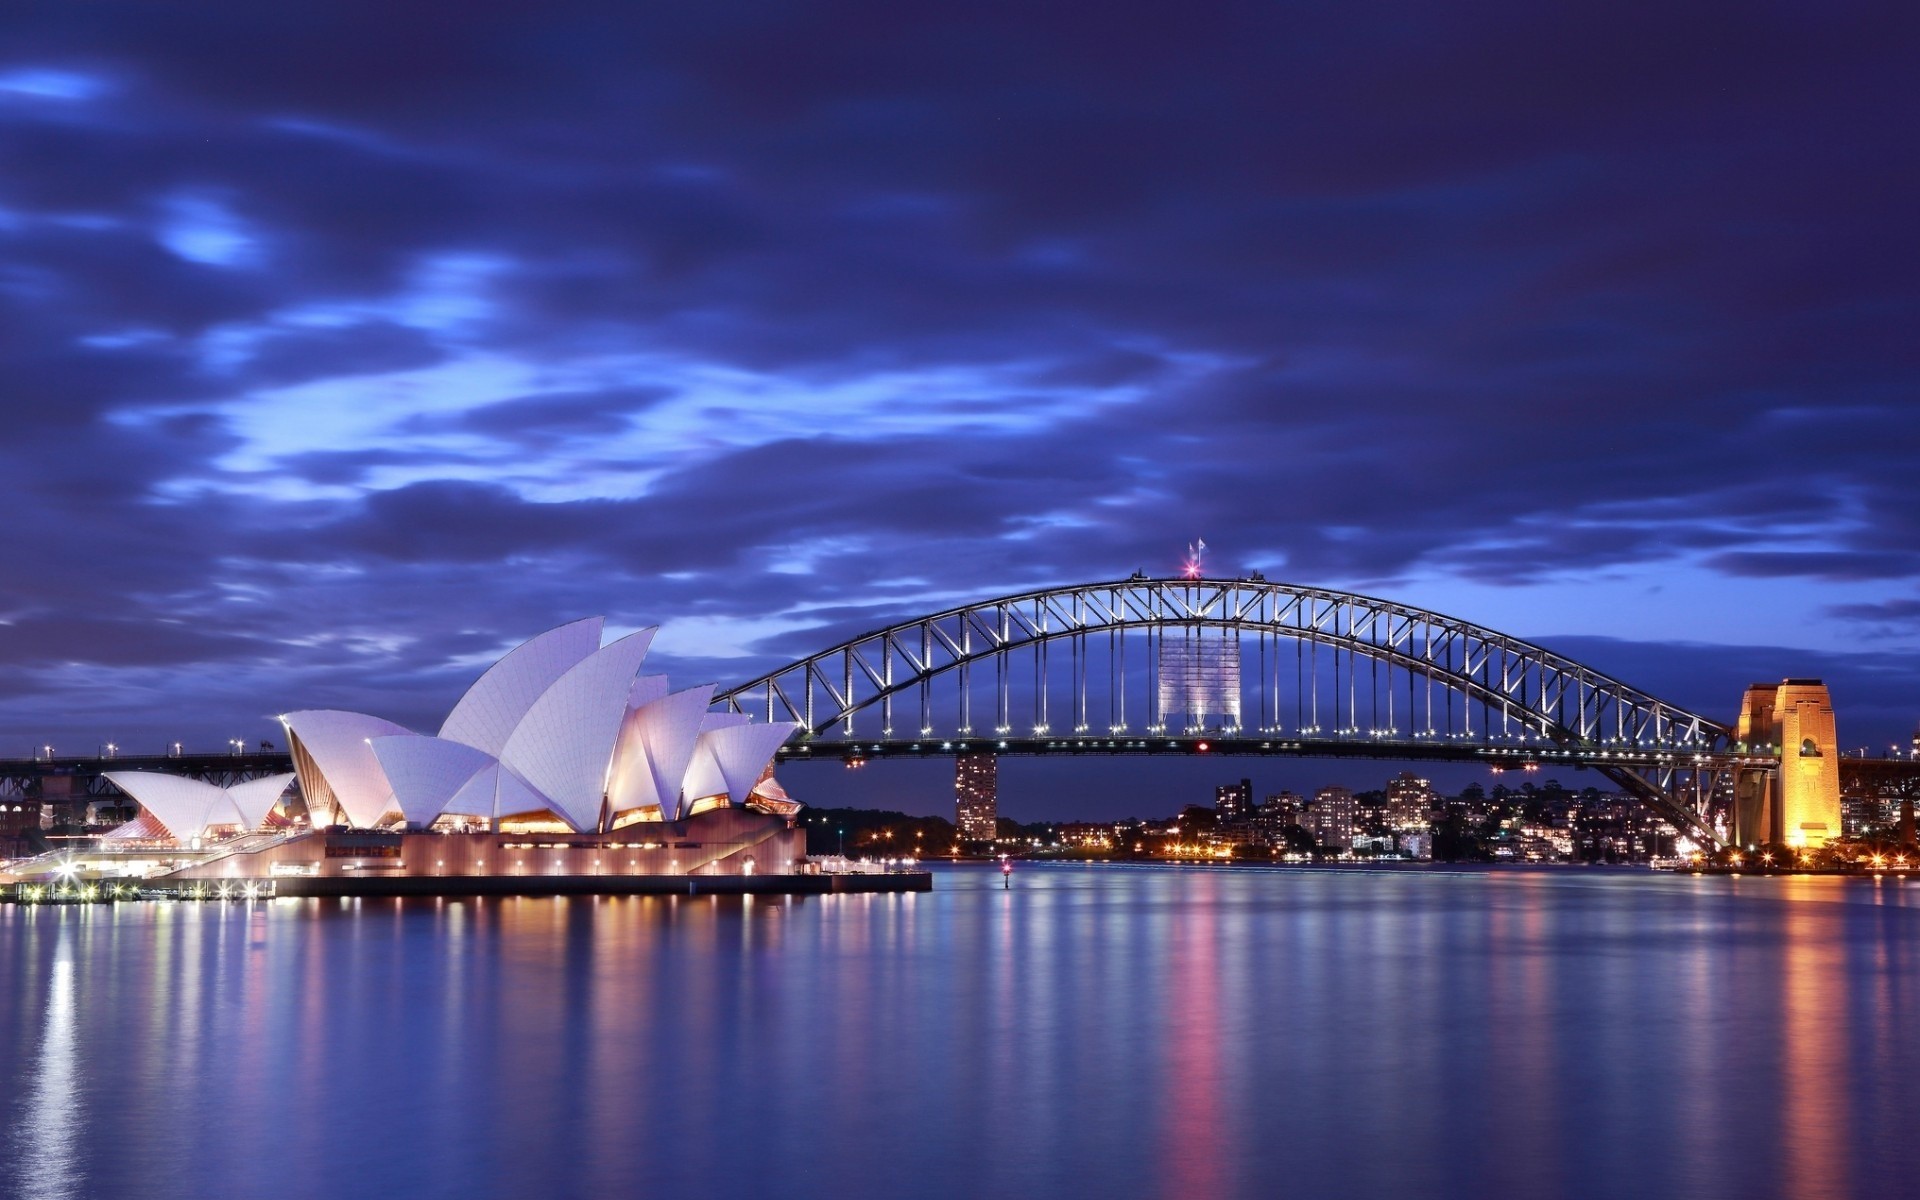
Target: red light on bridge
1203 747
1195 565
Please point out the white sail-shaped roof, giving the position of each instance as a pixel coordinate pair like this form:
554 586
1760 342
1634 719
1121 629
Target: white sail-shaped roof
656 744
145 827
564 746
647 689
703 774
336 745
729 759
427 773
514 796
703 770
475 798
499 700
255 798
494 791
184 806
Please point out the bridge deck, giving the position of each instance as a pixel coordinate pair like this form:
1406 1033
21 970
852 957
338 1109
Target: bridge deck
1514 754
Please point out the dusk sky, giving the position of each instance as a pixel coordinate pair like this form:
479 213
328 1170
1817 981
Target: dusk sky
344 345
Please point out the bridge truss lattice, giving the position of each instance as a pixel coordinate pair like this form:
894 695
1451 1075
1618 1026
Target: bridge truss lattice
1316 665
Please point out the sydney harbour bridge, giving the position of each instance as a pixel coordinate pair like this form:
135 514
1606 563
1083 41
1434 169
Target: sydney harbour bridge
1248 666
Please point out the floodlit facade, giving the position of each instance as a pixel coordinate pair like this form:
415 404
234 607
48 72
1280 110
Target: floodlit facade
562 770
182 809
562 734
1800 804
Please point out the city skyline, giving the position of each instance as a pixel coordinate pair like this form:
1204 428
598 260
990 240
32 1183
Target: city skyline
1590 326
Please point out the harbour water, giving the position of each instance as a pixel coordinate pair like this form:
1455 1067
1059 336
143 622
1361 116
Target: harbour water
1092 1031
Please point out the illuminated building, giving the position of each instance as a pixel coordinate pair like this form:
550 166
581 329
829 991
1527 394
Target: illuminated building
1410 802
1234 802
1087 835
1275 814
1330 818
976 811
173 806
561 762
1862 808
561 735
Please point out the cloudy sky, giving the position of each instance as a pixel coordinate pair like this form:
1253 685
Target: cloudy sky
345 344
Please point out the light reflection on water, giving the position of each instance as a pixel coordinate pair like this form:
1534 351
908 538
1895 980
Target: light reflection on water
44 1146
1095 1031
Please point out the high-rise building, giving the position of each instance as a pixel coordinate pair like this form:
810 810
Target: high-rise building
1410 800
1275 814
1233 802
1330 817
1199 678
976 809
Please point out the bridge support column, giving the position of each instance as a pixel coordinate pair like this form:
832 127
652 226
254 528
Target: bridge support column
1754 806
1799 803
1809 763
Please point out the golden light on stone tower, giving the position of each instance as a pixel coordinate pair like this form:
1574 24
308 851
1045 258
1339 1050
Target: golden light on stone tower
1753 806
1799 803
1809 763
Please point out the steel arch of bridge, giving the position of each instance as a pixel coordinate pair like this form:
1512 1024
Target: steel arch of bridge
1536 695
1548 694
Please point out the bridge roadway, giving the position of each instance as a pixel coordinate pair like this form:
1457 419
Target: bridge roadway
1510 755
29 776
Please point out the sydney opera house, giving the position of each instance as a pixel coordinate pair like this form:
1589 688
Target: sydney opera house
563 767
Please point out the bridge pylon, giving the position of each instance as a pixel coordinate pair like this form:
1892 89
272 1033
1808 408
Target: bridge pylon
1797 801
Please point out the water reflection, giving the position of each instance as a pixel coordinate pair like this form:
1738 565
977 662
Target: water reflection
1197 1143
1092 1032
1815 1106
50 1121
